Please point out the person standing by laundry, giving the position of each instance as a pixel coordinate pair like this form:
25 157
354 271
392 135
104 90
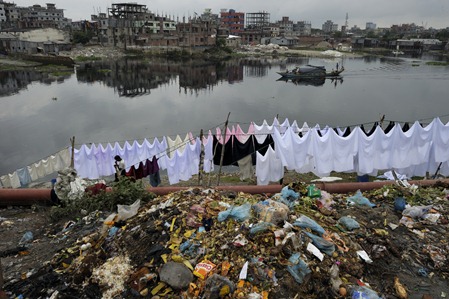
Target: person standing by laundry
119 166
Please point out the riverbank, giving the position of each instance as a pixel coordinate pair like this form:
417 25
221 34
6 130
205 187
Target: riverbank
92 53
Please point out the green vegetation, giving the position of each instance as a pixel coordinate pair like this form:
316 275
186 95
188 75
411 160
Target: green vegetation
124 192
81 37
438 63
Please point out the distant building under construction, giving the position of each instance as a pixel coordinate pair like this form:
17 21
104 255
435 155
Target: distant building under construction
257 20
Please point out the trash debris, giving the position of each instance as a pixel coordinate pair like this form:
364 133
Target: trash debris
197 244
359 199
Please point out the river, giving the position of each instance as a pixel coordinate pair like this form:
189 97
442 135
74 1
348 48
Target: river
133 99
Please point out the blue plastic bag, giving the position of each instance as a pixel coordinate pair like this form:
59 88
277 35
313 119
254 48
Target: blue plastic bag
261 227
239 213
325 246
399 204
362 292
349 223
359 199
306 222
298 268
289 194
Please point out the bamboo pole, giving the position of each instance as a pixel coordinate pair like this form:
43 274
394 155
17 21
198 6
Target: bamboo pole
72 158
223 149
201 166
1 276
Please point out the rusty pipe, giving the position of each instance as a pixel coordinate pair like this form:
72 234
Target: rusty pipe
30 196
24 197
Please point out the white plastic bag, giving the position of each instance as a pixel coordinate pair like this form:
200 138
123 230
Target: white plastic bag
127 211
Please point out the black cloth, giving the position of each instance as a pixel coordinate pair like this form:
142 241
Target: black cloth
371 131
389 127
405 127
217 147
263 147
241 150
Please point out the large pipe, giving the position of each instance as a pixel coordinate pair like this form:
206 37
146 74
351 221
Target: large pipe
30 196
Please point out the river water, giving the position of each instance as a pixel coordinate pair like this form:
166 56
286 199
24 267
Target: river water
134 99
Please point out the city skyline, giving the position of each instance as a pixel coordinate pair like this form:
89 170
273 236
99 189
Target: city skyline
383 13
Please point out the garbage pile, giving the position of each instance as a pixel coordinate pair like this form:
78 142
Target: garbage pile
300 243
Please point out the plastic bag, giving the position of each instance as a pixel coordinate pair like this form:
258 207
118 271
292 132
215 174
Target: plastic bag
325 246
288 197
349 223
362 292
289 194
261 227
399 204
239 213
416 211
298 268
306 222
359 199
313 191
271 211
127 211
26 238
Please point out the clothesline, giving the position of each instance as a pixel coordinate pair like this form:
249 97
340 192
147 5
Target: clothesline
174 145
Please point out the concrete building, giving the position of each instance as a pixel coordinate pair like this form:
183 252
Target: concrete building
302 28
329 27
131 24
2 12
37 16
285 26
370 26
234 21
257 20
196 34
45 41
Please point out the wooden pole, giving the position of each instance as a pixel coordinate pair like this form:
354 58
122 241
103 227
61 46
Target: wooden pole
72 158
223 149
1 276
201 166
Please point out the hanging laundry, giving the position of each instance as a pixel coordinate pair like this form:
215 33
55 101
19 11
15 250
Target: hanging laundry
227 148
268 167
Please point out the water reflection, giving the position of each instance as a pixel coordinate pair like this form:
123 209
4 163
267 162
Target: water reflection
135 77
11 82
132 77
318 81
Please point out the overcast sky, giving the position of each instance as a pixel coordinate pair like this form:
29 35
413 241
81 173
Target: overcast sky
384 13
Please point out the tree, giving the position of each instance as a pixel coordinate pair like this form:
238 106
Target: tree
80 37
443 35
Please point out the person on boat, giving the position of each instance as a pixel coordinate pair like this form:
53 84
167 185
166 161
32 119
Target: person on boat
337 66
119 166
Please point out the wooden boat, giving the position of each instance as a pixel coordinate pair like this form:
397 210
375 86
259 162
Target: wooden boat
310 71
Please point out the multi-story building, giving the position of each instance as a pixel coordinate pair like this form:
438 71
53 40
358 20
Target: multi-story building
132 23
303 28
257 20
2 12
370 26
37 16
233 20
329 27
197 33
285 26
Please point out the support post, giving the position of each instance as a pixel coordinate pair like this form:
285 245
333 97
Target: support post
72 158
201 166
